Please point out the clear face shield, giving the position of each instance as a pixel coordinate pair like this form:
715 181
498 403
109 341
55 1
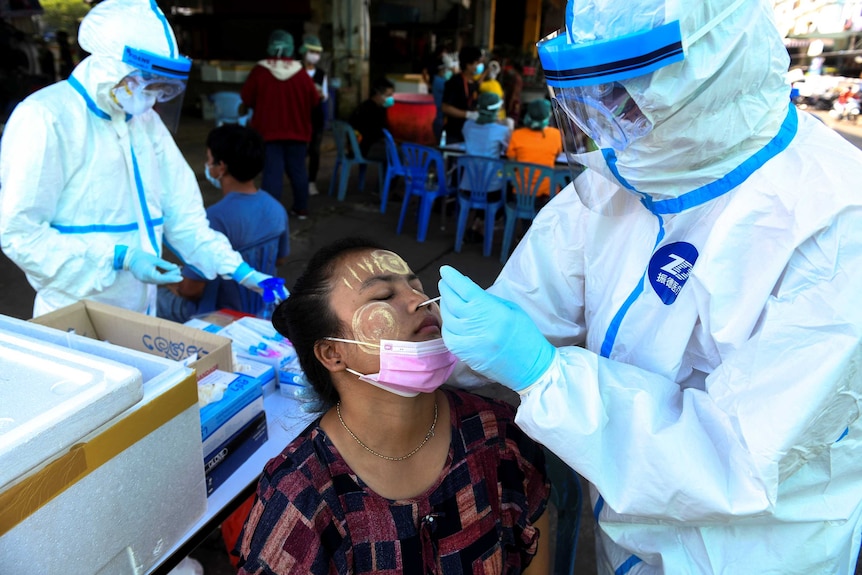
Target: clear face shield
591 91
158 82
606 113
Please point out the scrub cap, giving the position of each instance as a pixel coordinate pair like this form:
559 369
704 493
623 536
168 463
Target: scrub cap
488 105
538 114
113 25
280 44
312 43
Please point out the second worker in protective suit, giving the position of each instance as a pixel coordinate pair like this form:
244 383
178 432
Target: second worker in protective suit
682 322
92 181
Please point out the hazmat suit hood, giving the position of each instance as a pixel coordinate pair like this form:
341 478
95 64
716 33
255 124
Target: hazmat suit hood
281 68
106 31
711 111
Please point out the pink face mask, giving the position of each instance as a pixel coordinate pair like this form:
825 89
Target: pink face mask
408 368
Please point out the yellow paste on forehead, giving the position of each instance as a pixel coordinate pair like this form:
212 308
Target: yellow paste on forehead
376 262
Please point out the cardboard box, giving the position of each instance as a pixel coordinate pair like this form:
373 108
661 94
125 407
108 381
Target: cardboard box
202 351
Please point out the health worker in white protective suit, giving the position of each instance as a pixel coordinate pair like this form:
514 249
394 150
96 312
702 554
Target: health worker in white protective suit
683 322
92 181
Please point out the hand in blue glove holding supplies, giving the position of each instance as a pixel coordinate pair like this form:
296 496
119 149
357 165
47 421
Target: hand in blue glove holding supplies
493 336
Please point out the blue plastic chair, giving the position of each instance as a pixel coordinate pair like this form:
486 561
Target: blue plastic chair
348 155
426 179
261 256
394 168
526 179
479 176
227 105
567 498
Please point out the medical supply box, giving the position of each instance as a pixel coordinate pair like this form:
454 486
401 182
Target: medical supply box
101 465
200 350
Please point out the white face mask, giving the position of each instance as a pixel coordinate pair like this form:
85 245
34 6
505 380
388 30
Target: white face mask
408 368
312 57
133 102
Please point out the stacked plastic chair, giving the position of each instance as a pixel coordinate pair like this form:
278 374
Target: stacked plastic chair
227 105
394 168
348 155
526 179
425 179
480 179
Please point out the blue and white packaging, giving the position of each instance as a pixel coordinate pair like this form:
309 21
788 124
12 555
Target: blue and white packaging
221 463
257 340
242 391
262 372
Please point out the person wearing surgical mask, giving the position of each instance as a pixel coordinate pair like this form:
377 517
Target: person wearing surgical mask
93 184
283 98
461 93
311 51
369 119
537 143
396 475
688 331
235 156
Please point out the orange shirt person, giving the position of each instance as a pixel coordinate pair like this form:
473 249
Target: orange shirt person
536 142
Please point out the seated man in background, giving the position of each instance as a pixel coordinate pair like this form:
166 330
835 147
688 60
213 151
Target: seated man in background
251 219
537 143
369 119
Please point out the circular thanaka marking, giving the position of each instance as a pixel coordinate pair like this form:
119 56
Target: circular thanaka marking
371 323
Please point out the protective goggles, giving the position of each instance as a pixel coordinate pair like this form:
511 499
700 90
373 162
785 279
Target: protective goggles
589 83
162 89
161 79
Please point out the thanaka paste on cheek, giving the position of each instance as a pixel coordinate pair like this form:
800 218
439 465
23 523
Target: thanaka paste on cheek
372 322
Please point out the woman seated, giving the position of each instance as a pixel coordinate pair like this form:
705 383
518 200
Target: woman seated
396 475
537 143
487 136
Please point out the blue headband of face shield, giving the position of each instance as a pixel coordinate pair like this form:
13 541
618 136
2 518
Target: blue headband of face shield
157 65
572 65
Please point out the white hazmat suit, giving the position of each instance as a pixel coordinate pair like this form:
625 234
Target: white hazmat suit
705 369
80 177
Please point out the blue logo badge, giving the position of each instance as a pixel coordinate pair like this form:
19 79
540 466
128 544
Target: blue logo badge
669 269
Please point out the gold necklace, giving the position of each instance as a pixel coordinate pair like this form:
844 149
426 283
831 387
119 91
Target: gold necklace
428 436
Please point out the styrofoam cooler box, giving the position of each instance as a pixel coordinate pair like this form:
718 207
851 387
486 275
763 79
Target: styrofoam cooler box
52 397
115 498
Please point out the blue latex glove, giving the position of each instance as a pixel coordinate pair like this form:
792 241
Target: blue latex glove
145 266
249 277
493 336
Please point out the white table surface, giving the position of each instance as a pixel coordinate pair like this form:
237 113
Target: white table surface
284 421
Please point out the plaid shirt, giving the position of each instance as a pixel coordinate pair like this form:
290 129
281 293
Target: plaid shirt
313 515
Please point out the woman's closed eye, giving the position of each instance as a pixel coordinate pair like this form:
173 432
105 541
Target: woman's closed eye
383 296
